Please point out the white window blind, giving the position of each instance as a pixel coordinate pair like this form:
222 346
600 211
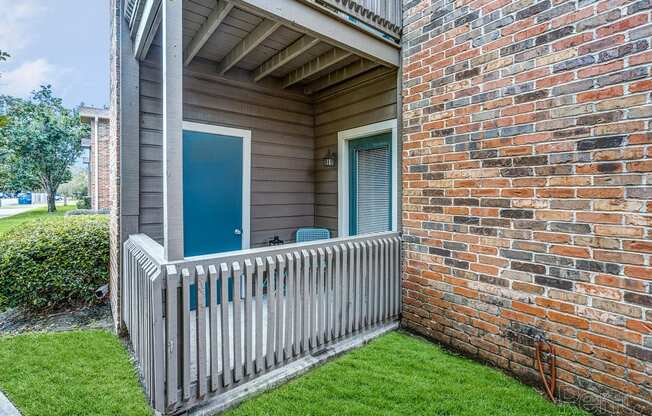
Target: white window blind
373 190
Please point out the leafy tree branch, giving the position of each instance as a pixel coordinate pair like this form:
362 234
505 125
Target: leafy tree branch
3 118
39 142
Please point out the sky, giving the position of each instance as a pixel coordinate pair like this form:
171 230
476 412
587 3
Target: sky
64 43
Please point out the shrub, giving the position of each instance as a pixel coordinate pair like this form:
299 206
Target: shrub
102 211
53 264
84 202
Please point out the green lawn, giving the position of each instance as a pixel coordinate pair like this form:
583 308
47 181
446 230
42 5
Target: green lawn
398 374
70 373
8 223
89 373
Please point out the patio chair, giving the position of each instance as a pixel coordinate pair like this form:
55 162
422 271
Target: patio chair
305 235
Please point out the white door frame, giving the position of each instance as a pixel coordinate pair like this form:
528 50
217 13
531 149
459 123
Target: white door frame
343 138
245 135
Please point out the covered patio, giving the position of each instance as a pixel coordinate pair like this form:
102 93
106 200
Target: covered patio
252 120
276 78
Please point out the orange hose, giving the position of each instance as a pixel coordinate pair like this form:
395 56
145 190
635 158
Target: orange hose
553 371
551 386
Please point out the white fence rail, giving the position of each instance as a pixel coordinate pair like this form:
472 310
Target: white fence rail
143 312
206 325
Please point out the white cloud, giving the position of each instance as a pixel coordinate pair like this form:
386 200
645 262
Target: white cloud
29 76
16 22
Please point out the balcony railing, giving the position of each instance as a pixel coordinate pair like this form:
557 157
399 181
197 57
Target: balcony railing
380 16
207 327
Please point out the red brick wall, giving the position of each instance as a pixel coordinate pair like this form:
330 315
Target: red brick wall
114 168
526 188
99 191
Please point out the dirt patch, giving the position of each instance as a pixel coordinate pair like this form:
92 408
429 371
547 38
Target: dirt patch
17 321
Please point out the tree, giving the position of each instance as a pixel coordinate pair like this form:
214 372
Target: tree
77 186
3 119
41 140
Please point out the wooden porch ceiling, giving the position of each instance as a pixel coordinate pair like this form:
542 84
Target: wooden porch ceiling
236 34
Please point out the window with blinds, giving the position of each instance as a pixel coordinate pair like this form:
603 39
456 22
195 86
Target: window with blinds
373 189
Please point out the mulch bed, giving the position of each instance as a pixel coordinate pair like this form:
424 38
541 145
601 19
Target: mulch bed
17 321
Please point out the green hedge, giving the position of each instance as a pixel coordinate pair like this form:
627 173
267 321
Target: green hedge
84 202
54 264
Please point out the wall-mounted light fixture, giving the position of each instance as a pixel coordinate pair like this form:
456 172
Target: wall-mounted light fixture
329 160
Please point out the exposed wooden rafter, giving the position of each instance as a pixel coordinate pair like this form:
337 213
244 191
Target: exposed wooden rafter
315 66
303 44
340 75
147 27
205 32
246 45
306 19
133 13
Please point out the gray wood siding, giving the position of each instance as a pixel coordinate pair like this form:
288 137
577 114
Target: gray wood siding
281 124
366 99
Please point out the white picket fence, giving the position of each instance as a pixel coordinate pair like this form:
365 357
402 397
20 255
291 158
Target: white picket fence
280 304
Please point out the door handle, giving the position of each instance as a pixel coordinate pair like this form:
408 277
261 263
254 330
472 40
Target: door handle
237 231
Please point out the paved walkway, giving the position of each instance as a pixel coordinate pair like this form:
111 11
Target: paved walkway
11 210
6 408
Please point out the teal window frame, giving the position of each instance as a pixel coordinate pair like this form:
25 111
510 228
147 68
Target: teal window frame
375 141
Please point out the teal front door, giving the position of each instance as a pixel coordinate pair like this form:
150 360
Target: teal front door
370 184
212 198
212 193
